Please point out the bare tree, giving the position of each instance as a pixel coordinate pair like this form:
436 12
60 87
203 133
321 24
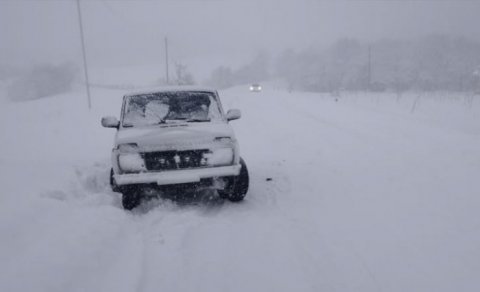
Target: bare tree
183 77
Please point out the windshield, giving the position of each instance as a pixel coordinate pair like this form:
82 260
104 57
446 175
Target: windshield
165 107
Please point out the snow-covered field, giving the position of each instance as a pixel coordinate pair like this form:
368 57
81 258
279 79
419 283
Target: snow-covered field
365 192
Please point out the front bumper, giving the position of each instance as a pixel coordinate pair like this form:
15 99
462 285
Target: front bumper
179 176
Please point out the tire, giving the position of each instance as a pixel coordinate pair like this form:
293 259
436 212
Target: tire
131 199
238 185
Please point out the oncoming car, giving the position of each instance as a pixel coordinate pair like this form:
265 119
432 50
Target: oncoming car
255 87
175 139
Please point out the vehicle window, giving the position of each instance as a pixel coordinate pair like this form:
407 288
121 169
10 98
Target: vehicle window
165 107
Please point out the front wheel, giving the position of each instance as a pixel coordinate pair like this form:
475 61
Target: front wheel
131 199
237 186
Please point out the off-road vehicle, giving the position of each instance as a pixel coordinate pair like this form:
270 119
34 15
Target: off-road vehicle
176 138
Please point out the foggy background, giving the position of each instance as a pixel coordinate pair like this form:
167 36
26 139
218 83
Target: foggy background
313 45
362 146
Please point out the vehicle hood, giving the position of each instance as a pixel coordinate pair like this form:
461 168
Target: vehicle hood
175 136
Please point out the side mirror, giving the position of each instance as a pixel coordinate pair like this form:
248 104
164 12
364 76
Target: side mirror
110 122
233 114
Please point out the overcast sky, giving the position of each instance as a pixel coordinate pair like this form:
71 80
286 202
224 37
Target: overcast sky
124 32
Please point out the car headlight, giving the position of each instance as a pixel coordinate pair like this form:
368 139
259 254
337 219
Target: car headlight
129 160
219 157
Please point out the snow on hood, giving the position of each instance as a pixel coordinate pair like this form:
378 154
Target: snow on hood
175 136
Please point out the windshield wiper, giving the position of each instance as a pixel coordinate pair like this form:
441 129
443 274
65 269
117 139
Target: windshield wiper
198 120
176 119
165 121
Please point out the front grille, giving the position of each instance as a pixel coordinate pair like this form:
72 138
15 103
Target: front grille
168 160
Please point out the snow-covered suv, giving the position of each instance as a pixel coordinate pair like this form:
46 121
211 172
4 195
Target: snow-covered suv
175 138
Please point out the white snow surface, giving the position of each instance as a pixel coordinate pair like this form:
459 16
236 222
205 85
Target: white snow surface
368 192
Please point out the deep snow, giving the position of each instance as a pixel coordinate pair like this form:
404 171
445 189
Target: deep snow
368 192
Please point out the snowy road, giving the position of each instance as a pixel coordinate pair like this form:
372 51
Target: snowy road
362 195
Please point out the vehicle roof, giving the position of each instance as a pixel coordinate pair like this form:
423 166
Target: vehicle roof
171 89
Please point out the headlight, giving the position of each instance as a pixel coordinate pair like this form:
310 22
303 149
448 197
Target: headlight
131 162
219 157
129 159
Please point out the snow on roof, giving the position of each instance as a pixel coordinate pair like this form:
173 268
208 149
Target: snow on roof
170 89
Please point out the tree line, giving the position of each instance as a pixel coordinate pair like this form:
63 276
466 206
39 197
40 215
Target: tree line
430 63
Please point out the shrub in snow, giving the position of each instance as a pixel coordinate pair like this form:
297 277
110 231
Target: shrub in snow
42 81
183 77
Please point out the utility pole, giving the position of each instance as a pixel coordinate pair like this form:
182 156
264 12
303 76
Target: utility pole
166 58
85 66
369 80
